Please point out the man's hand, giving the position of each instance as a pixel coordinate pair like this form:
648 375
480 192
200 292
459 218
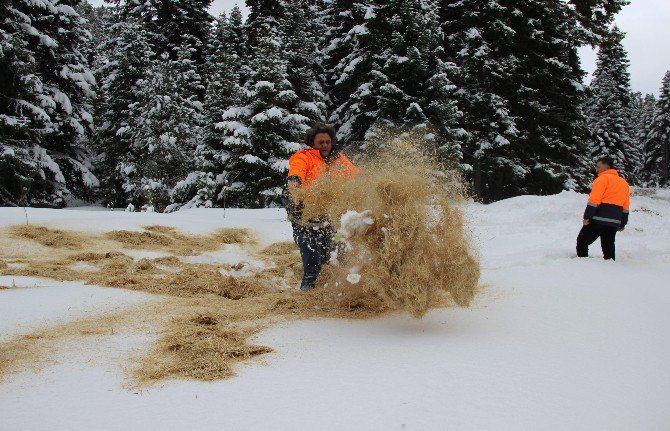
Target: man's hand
293 186
586 222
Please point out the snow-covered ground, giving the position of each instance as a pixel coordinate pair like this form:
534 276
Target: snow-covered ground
553 342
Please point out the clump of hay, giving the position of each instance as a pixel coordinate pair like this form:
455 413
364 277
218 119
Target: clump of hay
199 348
88 257
21 352
280 249
47 237
231 236
204 320
207 338
171 240
285 262
402 226
144 240
168 261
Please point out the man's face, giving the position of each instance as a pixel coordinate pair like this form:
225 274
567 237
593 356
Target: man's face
323 143
600 167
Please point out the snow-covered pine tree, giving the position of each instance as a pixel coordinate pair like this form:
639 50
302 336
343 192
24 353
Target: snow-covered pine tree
657 157
98 22
608 109
204 183
643 115
390 71
45 110
172 24
546 93
300 46
594 18
549 98
263 131
414 85
125 59
608 124
640 119
481 43
164 131
236 38
260 12
19 108
348 57
534 76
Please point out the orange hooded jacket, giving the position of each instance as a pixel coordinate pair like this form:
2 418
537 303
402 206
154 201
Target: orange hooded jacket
609 200
308 165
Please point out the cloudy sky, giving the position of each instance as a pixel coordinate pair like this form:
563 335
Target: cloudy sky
647 40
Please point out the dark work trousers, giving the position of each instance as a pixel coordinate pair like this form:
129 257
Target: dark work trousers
315 248
592 232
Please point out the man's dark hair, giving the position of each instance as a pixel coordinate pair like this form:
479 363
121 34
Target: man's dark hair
607 160
319 128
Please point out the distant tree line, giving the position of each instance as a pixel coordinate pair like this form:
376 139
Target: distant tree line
158 103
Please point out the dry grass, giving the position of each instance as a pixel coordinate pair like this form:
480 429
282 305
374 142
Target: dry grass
168 239
207 337
201 337
24 352
280 249
39 348
48 237
416 246
119 270
199 348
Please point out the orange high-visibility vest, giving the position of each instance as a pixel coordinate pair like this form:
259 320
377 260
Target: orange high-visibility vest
609 200
308 165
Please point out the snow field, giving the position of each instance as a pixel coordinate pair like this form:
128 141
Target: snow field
552 342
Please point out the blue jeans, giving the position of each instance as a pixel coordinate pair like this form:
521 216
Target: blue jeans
315 246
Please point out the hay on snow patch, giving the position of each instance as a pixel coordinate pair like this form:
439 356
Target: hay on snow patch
169 239
198 348
48 237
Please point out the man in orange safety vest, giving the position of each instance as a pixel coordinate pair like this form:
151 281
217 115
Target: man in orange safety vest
314 237
606 211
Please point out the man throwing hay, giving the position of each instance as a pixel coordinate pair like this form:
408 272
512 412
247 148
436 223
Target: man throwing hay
314 237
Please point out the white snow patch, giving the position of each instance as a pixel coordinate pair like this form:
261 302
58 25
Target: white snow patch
239 260
353 277
353 223
550 334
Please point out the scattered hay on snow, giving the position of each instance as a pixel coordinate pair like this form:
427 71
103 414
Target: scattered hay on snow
169 239
280 249
38 349
406 250
199 348
48 237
